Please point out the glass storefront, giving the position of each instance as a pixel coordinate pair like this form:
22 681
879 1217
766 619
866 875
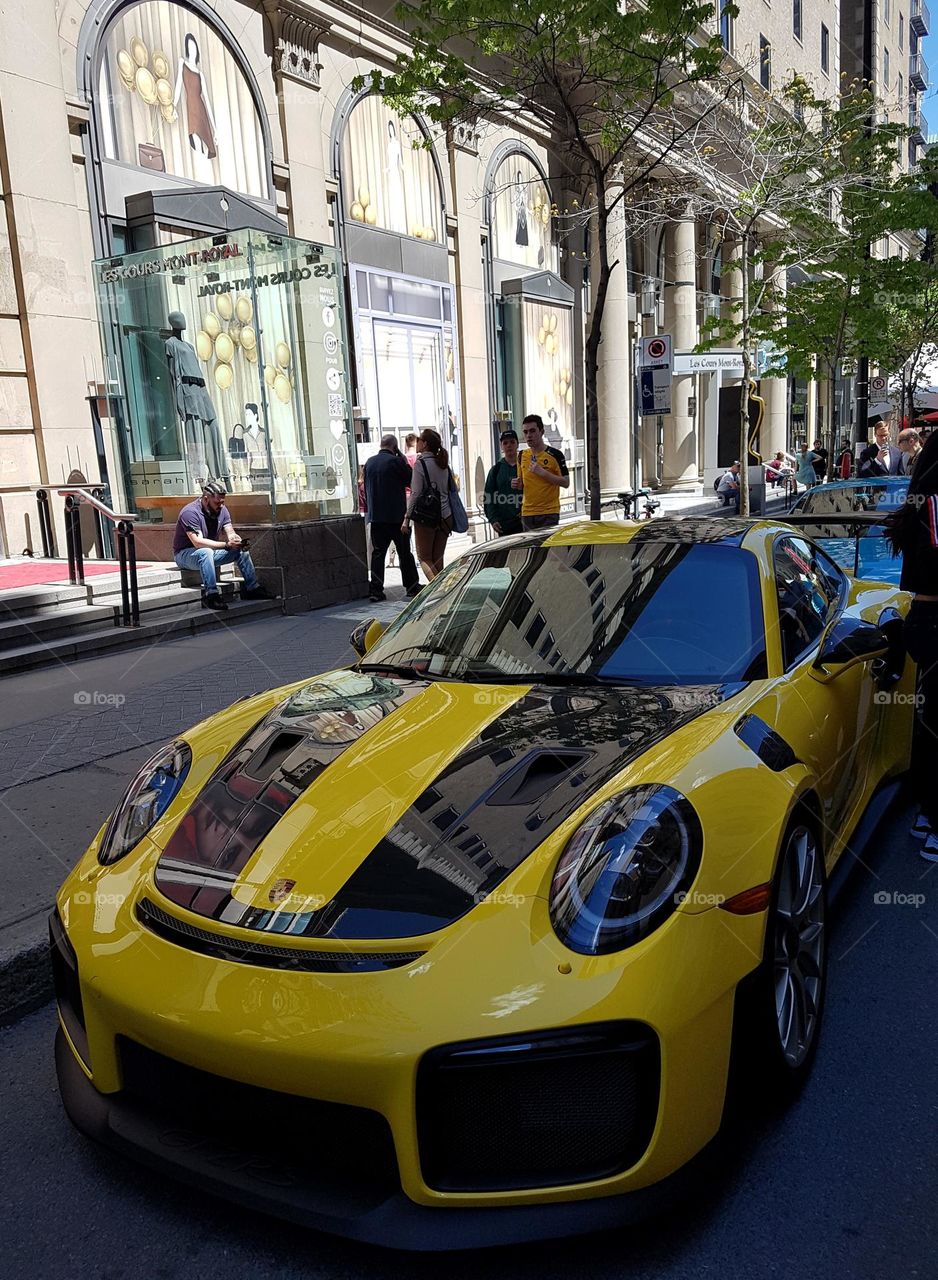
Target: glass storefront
229 357
389 177
405 344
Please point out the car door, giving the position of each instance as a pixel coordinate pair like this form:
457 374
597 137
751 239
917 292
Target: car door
830 725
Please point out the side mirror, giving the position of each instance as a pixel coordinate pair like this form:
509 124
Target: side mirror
849 641
366 635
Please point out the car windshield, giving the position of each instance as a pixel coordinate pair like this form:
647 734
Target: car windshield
623 613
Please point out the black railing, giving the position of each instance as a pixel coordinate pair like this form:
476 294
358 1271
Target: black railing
46 526
77 497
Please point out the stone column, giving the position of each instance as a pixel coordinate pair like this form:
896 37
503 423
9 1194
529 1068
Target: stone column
680 431
775 391
615 369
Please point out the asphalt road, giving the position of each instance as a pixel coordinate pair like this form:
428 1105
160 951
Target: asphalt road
842 1184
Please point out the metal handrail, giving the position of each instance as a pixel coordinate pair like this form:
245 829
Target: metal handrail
77 496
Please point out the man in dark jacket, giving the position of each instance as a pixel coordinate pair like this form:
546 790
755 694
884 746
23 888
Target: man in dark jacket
387 478
501 503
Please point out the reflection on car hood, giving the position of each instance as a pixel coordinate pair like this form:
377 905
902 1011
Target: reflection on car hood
367 806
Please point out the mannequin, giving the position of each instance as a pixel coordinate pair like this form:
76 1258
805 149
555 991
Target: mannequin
194 406
256 442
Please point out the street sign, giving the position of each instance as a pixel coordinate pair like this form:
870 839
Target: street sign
655 352
877 386
655 390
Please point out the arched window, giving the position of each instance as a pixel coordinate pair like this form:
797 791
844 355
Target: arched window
522 227
389 178
172 98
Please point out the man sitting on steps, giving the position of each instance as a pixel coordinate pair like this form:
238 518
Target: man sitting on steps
197 545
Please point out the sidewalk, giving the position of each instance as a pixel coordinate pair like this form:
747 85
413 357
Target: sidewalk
72 736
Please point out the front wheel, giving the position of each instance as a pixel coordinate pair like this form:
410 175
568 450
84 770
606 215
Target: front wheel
778 1017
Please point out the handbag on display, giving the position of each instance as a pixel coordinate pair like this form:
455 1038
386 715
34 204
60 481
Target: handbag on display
150 157
236 446
428 507
460 518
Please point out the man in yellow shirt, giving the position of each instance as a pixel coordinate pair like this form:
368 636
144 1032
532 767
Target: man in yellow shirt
542 473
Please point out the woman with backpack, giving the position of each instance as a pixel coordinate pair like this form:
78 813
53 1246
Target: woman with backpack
429 504
912 531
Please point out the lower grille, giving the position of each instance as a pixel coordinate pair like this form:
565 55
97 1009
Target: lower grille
542 1110
277 1137
67 986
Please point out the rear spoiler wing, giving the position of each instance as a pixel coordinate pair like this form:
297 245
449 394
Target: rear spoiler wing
859 520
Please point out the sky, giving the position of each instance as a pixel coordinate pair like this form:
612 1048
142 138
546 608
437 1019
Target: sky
930 50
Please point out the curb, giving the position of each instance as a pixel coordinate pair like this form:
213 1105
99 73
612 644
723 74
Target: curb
25 971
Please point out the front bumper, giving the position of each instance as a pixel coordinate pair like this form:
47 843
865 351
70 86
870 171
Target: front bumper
359 1041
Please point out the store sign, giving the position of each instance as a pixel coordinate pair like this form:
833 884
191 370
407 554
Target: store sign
708 362
117 269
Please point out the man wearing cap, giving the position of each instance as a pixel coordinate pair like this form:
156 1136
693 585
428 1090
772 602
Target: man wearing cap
500 502
205 538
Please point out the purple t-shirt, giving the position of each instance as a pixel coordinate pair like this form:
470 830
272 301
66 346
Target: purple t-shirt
195 519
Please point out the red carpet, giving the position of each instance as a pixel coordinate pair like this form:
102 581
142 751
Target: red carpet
29 573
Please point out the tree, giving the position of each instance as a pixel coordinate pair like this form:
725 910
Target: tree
615 88
797 181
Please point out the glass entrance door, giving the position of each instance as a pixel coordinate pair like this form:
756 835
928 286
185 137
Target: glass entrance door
410 374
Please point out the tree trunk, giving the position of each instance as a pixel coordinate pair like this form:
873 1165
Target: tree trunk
745 336
593 339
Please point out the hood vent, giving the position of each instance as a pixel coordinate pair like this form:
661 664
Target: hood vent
535 775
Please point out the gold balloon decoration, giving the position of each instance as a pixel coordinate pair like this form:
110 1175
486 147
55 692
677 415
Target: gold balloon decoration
139 52
161 64
126 67
224 307
283 388
203 345
364 197
243 309
224 376
282 354
234 332
569 395
270 373
224 348
164 92
357 211
168 113
371 215
211 325
146 85
541 335
248 337
429 233
250 354
550 345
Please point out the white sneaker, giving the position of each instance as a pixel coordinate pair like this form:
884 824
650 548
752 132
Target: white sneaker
921 827
929 849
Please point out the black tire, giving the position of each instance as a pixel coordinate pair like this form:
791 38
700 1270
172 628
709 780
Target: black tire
788 988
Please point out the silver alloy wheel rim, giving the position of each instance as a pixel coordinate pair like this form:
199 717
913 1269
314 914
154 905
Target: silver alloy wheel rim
799 946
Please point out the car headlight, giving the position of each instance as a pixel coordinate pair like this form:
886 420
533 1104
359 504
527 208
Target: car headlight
147 799
622 873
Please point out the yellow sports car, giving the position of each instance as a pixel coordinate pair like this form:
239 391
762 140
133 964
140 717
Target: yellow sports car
453 946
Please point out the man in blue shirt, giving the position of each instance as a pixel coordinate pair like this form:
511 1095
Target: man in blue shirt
205 538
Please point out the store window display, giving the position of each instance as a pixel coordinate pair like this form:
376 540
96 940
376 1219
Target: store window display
389 178
522 228
258 399
172 98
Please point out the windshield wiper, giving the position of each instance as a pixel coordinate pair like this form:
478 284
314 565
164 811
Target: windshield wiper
392 669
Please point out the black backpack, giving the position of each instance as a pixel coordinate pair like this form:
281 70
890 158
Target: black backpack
428 508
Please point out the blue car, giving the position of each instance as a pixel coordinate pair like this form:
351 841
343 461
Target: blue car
861 551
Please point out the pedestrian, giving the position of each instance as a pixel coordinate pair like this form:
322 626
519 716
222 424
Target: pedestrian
542 473
909 443
387 477
912 531
363 508
500 502
879 458
728 487
410 448
806 474
820 462
204 539
429 505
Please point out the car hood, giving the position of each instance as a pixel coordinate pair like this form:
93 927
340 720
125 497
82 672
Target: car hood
371 806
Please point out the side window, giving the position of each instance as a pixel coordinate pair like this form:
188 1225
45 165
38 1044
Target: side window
809 589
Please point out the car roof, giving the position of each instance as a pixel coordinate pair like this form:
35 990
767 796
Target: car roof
710 529
856 483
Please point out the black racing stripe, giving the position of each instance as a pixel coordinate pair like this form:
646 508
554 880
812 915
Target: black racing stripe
693 529
258 782
503 796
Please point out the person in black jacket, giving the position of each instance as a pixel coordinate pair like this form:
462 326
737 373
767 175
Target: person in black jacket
913 533
387 480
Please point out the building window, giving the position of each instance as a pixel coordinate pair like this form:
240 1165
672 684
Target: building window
796 18
886 14
390 179
899 87
726 26
901 30
522 230
825 49
886 68
765 62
